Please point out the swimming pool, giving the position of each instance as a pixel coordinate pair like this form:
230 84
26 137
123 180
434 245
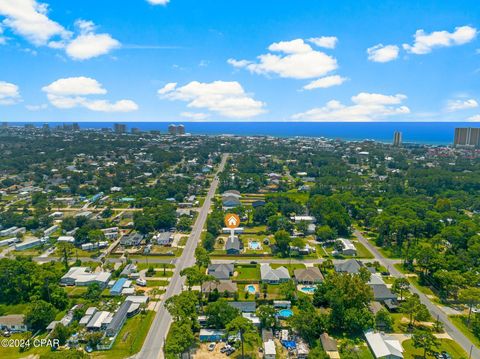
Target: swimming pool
251 289
285 313
308 289
255 245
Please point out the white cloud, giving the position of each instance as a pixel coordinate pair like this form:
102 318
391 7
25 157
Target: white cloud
365 107
158 2
9 93
195 116
291 59
89 44
328 42
424 43
457 105
73 92
32 108
325 82
475 118
29 19
225 98
3 39
75 86
381 53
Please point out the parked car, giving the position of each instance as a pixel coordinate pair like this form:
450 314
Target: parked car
211 347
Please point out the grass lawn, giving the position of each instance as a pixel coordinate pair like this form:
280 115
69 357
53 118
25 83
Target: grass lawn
14 309
76 292
447 345
141 266
156 283
301 197
161 274
362 251
461 323
14 352
247 273
130 339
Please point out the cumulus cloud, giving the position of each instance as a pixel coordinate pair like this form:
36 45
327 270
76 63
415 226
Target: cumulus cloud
158 2
457 105
74 92
28 18
475 118
88 44
9 93
290 59
365 107
328 42
225 98
424 43
325 82
381 53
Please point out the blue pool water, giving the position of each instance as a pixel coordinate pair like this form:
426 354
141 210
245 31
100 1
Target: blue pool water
254 245
285 313
251 289
308 289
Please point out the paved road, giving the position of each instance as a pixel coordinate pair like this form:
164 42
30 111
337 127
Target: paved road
153 345
436 312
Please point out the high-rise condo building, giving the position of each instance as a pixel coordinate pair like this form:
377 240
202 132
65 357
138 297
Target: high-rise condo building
120 128
467 136
397 138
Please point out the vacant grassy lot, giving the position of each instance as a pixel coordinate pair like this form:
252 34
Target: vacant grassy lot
130 339
447 345
247 273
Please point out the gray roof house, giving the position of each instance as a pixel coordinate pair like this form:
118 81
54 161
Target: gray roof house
273 276
351 266
230 202
233 245
309 275
222 286
244 307
221 271
382 293
118 319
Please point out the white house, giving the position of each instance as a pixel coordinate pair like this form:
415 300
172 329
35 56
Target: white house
384 347
348 248
269 350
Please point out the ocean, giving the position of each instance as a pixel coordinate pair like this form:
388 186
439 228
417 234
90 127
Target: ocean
435 133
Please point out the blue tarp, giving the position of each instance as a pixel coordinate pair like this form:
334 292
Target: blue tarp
289 344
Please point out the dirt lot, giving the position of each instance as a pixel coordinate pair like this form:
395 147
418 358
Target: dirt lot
203 353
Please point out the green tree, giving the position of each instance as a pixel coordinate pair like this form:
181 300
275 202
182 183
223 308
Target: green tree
283 240
202 257
220 313
179 339
400 285
383 320
470 297
93 291
61 333
288 290
39 315
183 308
267 315
425 340
244 327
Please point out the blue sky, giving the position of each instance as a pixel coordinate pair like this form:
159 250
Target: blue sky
185 60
